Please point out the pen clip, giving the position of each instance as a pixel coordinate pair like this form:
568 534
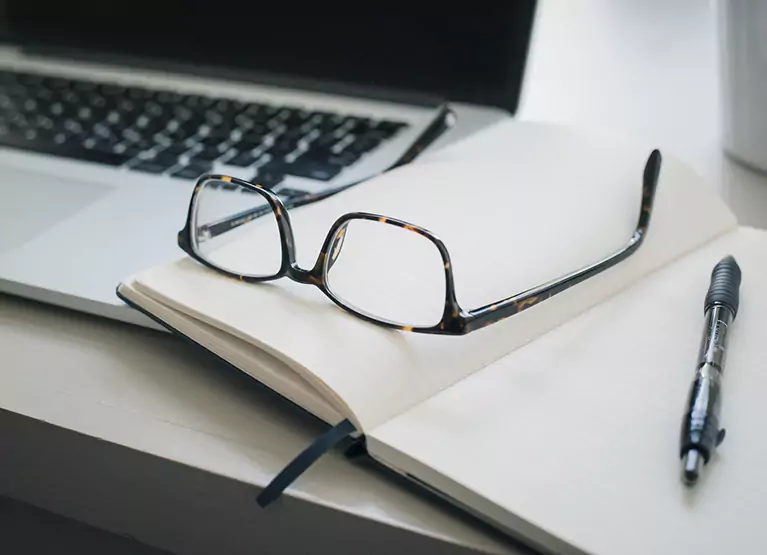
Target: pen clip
720 436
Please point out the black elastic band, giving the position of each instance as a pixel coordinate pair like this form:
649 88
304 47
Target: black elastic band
304 460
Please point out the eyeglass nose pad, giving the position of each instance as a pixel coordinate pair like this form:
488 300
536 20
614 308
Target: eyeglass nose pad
336 245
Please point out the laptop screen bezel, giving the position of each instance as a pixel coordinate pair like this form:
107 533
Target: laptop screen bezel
505 97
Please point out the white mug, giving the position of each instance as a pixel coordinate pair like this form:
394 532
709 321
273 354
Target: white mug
743 74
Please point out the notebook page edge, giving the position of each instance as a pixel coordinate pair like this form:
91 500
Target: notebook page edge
288 383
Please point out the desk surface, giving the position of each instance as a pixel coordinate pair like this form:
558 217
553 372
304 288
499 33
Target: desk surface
635 67
151 392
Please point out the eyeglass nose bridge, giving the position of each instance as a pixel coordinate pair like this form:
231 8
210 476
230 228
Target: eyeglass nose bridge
302 275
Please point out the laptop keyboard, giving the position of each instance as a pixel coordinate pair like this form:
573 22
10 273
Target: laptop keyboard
164 132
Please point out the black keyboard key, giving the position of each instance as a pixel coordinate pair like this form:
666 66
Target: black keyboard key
127 149
115 119
255 135
169 97
358 126
283 147
243 146
182 113
293 133
325 141
105 144
343 159
67 150
207 154
326 154
197 102
154 109
243 160
228 108
328 122
163 157
176 149
186 128
128 107
389 128
363 144
213 141
313 170
138 142
111 90
96 100
270 175
244 122
261 117
294 118
84 86
137 93
52 83
287 193
222 132
151 166
29 79
191 172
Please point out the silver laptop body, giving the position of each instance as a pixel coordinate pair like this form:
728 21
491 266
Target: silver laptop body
88 198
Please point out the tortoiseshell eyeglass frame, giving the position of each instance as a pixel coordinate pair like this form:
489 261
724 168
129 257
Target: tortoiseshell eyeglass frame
455 320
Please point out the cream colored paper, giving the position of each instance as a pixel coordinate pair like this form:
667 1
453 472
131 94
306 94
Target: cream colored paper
541 201
573 440
270 371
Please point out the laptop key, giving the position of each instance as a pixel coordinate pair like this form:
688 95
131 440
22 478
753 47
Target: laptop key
208 154
313 170
192 171
270 174
163 157
64 150
318 154
175 149
287 193
243 160
150 166
343 159
112 124
389 128
364 144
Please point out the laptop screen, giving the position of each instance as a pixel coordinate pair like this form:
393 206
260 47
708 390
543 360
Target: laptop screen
469 58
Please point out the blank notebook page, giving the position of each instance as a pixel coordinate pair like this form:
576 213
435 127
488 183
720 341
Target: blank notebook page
554 200
577 433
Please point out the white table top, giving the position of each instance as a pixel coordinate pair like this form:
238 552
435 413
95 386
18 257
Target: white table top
152 392
635 67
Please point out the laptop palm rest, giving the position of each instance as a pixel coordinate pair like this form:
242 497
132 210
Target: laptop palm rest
32 205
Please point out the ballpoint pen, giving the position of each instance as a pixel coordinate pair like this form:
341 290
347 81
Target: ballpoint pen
701 433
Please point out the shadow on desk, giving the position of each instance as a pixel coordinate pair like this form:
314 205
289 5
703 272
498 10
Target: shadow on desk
136 432
27 529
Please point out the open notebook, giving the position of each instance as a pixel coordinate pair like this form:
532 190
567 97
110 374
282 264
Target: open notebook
559 425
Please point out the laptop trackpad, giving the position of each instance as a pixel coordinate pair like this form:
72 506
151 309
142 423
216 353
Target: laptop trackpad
32 204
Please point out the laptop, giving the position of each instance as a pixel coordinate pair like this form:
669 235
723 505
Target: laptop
109 111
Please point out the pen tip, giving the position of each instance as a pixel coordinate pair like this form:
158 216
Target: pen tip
691 464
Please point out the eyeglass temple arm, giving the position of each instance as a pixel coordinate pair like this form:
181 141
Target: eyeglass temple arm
444 120
489 314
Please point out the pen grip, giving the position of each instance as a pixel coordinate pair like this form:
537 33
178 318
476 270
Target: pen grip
700 427
725 286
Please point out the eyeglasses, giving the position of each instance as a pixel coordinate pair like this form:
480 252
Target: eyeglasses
381 269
